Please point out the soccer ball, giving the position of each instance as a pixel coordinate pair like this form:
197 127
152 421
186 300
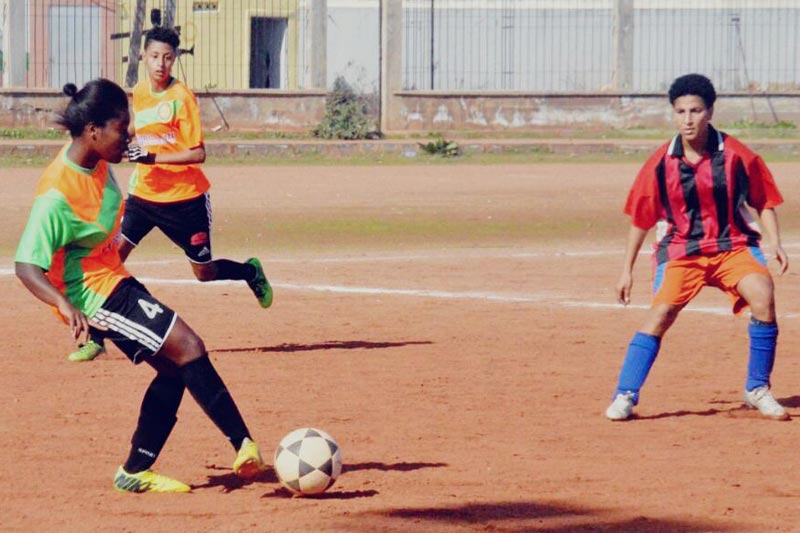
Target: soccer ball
307 461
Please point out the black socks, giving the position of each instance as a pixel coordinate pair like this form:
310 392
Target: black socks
209 391
227 269
156 420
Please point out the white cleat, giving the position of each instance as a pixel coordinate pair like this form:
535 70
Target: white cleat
621 407
762 399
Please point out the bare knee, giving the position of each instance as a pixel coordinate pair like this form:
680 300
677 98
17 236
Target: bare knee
659 319
183 345
758 292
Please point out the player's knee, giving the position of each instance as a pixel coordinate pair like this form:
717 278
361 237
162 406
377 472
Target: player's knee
194 346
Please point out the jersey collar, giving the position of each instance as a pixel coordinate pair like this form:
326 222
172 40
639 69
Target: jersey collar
715 143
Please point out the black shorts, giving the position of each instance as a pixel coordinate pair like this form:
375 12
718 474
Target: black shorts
134 320
187 224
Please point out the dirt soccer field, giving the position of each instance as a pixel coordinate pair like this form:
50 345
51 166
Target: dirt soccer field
453 327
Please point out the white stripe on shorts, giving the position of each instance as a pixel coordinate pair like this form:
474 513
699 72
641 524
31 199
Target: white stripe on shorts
130 329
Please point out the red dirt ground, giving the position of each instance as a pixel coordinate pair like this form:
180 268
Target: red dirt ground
463 371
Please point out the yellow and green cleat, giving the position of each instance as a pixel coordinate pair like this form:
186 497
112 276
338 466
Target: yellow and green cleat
87 352
248 463
147 481
260 285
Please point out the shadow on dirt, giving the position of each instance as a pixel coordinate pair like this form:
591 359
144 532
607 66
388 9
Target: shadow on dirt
329 345
791 401
740 411
332 494
532 516
230 481
396 467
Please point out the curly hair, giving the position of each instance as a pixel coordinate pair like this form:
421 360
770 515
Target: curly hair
694 84
163 35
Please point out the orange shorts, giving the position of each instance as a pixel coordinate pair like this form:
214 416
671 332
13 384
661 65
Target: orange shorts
678 281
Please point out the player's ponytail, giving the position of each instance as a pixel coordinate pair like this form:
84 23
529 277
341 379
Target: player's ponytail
97 102
70 89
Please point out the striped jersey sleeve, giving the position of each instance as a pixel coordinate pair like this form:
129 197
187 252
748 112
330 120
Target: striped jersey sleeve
643 204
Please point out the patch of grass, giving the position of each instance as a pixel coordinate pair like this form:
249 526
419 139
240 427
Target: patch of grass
31 133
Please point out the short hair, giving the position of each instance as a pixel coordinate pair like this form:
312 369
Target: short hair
693 84
99 101
163 34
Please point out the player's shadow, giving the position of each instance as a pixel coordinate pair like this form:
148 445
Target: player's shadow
739 410
791 401
328 345
331 494
533 515
385 467
334 494
229 481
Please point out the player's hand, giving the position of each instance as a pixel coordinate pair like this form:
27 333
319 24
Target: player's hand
623 288
78 322
137 154
783 260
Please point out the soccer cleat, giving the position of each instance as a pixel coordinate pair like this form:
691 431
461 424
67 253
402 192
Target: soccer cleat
87 352
260 285
621 407
248 463
147 481
762 399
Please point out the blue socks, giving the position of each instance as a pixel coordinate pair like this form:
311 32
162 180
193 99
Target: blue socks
763 340
642 352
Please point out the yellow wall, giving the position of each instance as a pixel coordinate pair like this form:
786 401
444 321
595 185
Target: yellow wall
221 40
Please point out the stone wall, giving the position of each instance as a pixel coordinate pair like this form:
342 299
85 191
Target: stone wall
429 111
423 112
258 110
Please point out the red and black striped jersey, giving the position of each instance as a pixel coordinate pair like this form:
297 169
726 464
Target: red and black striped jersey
702 208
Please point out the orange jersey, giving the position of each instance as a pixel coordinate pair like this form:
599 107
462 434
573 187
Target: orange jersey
167 122
72 232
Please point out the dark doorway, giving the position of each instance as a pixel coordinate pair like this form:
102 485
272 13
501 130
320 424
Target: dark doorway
267 52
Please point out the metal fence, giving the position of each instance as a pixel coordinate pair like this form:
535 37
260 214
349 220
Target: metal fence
590 46
225 44
536 46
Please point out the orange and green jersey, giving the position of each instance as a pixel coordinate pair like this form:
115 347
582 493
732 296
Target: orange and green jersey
72 232
167 122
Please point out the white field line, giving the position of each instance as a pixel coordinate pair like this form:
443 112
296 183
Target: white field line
465 295
423 293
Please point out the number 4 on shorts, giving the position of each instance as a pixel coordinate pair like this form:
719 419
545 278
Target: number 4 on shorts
150 309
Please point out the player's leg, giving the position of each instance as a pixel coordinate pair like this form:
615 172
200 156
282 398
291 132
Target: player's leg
675 283
137 222
745 277
137 324
188 352
188 224
147 330
157 418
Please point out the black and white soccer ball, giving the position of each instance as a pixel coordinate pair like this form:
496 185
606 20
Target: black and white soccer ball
307 461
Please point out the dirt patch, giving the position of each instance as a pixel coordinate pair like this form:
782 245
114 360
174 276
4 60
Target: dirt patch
463 371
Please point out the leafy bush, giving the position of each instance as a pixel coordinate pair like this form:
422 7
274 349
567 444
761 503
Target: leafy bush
440 146
345 114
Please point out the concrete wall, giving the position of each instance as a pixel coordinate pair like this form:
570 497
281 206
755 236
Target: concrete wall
420 112
442 112
264 110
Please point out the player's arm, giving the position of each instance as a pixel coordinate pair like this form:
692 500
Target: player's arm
769 223
32 276
137 154
636 238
